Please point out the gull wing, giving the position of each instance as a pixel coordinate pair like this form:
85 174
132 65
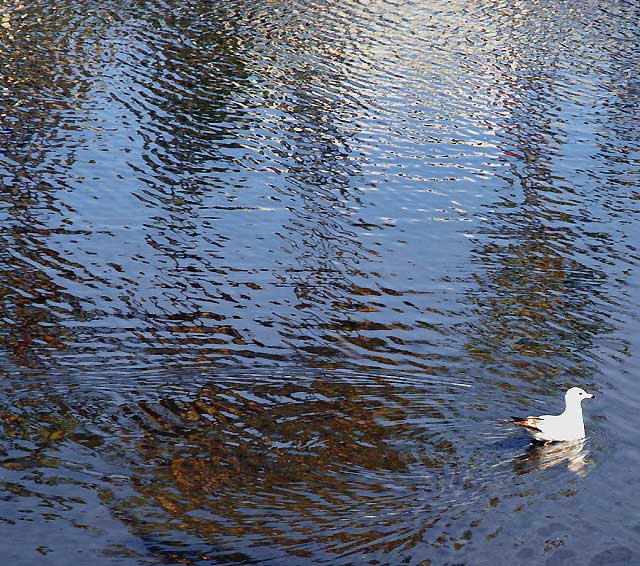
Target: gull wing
532 423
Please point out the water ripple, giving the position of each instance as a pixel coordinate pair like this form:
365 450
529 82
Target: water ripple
400 221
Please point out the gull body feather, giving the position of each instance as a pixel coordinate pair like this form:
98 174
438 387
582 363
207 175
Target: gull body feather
567 426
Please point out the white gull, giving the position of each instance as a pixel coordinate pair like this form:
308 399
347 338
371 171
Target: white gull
552 428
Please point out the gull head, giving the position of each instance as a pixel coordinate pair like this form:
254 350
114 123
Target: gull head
577 395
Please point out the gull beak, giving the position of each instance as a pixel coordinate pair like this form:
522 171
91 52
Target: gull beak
591 395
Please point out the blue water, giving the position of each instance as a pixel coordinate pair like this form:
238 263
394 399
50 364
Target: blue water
272 273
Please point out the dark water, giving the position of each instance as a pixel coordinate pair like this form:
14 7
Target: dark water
270 273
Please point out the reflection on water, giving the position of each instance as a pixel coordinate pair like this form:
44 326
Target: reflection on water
241 468
539 456
282 463
270 275
224 188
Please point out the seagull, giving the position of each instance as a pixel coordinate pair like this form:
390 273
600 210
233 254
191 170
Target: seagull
554 428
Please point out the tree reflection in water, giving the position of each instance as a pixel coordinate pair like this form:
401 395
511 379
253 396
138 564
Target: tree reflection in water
241 469
294 466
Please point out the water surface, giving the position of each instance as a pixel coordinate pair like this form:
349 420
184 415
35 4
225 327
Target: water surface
271 273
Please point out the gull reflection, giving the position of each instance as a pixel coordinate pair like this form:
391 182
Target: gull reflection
542 456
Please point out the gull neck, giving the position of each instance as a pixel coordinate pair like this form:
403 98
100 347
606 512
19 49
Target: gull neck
573 407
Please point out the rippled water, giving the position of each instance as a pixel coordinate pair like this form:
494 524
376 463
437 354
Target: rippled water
272 273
